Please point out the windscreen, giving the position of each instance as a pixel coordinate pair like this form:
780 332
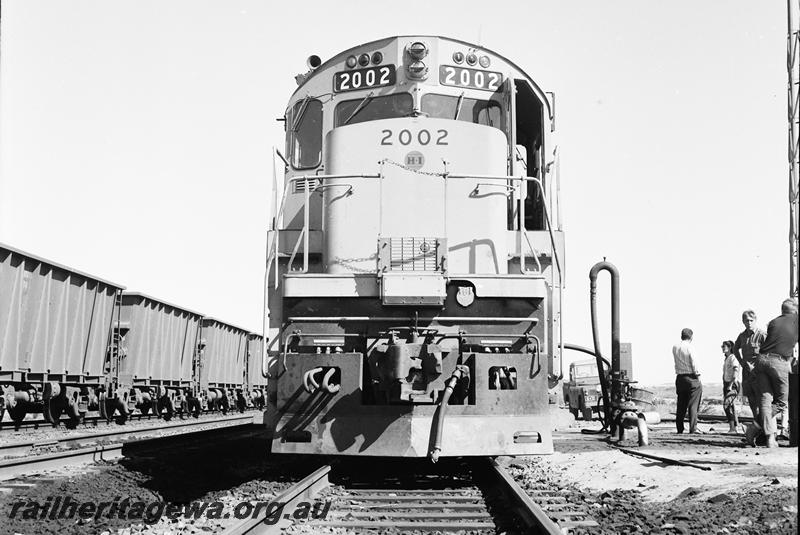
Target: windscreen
304 143
585 370
373 108
471 110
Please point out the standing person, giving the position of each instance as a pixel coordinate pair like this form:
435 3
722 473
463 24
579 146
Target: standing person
730 384
746 349
772 369
687 382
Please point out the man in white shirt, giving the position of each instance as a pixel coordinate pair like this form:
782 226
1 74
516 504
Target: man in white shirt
687 382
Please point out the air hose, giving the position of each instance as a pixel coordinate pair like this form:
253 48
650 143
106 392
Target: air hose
461 372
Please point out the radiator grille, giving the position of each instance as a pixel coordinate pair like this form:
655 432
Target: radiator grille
412 253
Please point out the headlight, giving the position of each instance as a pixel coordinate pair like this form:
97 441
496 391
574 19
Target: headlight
417 50
417 70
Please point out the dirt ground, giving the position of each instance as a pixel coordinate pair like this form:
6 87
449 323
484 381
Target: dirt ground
746 490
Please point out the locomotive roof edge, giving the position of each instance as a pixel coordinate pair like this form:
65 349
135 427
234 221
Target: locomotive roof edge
60 266
325 63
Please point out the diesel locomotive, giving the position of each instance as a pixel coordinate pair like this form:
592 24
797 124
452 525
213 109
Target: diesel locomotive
415 258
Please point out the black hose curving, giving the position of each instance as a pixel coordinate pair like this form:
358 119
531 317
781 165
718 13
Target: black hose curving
614 272
458 373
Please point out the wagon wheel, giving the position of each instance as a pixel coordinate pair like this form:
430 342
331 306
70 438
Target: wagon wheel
52 409
17 414
165 403
74 416
120 406
194 407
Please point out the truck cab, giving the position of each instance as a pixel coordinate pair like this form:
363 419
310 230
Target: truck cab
583 392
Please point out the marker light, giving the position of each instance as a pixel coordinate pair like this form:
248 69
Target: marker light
417 70
377 57
472 59
417 50
485 62
458 57
363 60
350 62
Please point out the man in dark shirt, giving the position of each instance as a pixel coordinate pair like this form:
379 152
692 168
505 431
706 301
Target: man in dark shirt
772 367
746 348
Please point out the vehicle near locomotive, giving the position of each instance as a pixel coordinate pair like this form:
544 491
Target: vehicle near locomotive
583 392
72 343
416 257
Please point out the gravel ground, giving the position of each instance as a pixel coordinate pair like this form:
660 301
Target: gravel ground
228 473
748 490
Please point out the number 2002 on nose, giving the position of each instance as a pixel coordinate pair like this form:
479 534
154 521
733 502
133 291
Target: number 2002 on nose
364 78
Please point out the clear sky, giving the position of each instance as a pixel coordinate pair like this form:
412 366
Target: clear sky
135 144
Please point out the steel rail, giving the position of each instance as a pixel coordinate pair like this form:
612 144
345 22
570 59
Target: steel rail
97 421
300 491
422 509
529 511
15 466
22 448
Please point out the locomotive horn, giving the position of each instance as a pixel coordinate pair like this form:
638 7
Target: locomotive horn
313 62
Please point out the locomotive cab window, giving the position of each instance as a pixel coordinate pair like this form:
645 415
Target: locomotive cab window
471 110
304 142
371 108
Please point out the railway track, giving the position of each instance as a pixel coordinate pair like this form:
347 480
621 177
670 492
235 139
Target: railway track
22 458
97 421
487 501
